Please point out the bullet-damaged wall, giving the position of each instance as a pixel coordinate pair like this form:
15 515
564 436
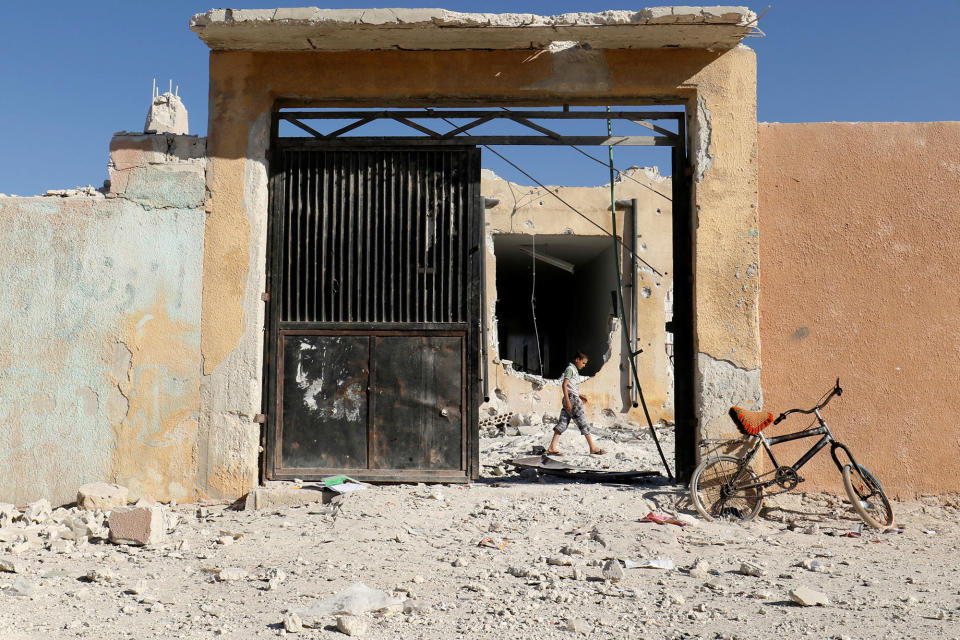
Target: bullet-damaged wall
100 369
534 212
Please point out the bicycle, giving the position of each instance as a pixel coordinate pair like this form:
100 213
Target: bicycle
727 487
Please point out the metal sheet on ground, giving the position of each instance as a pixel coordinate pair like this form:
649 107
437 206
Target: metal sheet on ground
550 466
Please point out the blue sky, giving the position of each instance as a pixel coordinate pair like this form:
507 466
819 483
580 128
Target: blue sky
74 73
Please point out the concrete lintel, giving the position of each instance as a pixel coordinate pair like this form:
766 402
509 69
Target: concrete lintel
311 28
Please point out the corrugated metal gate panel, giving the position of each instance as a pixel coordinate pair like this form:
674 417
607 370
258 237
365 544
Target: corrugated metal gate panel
374 313
375 236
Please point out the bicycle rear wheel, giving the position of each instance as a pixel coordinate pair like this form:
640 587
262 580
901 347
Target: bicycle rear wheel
867 497
720 488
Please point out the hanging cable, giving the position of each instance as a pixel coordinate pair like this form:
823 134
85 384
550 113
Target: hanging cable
632 357
533 293
564 202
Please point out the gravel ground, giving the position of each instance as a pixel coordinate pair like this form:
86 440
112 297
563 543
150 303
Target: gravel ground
546 573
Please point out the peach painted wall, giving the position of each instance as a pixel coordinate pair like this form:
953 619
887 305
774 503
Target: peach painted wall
860 256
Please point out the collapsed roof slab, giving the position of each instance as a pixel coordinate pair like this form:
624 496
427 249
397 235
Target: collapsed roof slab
311 28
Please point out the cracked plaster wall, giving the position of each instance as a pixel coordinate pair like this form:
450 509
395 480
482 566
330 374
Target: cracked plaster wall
100 371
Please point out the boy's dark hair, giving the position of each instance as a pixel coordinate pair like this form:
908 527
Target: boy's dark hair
580 355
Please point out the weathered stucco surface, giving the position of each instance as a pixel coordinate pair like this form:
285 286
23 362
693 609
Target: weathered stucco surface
859 224
530 210
245 86
100 370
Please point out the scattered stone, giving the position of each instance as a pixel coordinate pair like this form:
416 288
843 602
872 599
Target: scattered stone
578 626
807 597
578 574
815 565
461 562
8 513
21 587
612 570
101 576
752 569
275 578
559 561
137 525
292 623
352 625
12 566
418 579
231 574
102 495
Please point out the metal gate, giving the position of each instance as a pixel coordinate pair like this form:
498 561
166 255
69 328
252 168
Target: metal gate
374 307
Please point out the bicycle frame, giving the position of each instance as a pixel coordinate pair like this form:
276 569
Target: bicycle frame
767 443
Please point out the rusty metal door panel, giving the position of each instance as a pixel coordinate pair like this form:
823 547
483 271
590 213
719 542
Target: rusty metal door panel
417 398
324 402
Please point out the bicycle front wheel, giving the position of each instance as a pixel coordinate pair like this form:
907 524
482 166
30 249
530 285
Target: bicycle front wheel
721 488
867 497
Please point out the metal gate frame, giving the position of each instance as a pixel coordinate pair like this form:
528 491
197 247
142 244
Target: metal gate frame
271 433
684 219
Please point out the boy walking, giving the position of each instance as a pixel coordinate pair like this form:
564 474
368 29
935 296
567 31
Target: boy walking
573 403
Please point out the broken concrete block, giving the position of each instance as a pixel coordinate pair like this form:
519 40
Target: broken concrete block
287 496
807 597
101 495
137 525
12 566
612 570
352 625
7 513
38 512
167 115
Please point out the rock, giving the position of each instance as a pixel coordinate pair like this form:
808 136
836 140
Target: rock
751 569
578 574
498 471
461 562
137 525
275 578
37 512
12 566
352 625
231 574
815 565
578 626
101 495
807 597
21 587
8 513
101 576
61 546
559 561
418 579
292 623
612 570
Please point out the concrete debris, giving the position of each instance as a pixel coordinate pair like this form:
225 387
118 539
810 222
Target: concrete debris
12 566
38 512
87 191
8 513
286 494
612 570
102 495
352 625
232 574
752 569
101 576
137 525
578 626
20 587
292 623
806 597
167 115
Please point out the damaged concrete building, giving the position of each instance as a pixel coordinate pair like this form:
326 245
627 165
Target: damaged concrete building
245 306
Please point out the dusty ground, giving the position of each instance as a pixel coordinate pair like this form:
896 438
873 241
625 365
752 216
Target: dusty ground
420 543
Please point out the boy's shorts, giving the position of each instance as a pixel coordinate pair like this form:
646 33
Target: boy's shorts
576 414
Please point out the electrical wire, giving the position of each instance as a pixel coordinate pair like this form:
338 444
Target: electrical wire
632 357
533 294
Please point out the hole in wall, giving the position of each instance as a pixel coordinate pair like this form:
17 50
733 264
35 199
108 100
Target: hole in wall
571 279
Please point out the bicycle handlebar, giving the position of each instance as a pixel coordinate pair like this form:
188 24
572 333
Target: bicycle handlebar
837 391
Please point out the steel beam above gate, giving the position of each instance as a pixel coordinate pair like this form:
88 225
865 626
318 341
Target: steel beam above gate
457 132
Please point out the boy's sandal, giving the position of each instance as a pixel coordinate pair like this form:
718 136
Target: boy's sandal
598 452
554 453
